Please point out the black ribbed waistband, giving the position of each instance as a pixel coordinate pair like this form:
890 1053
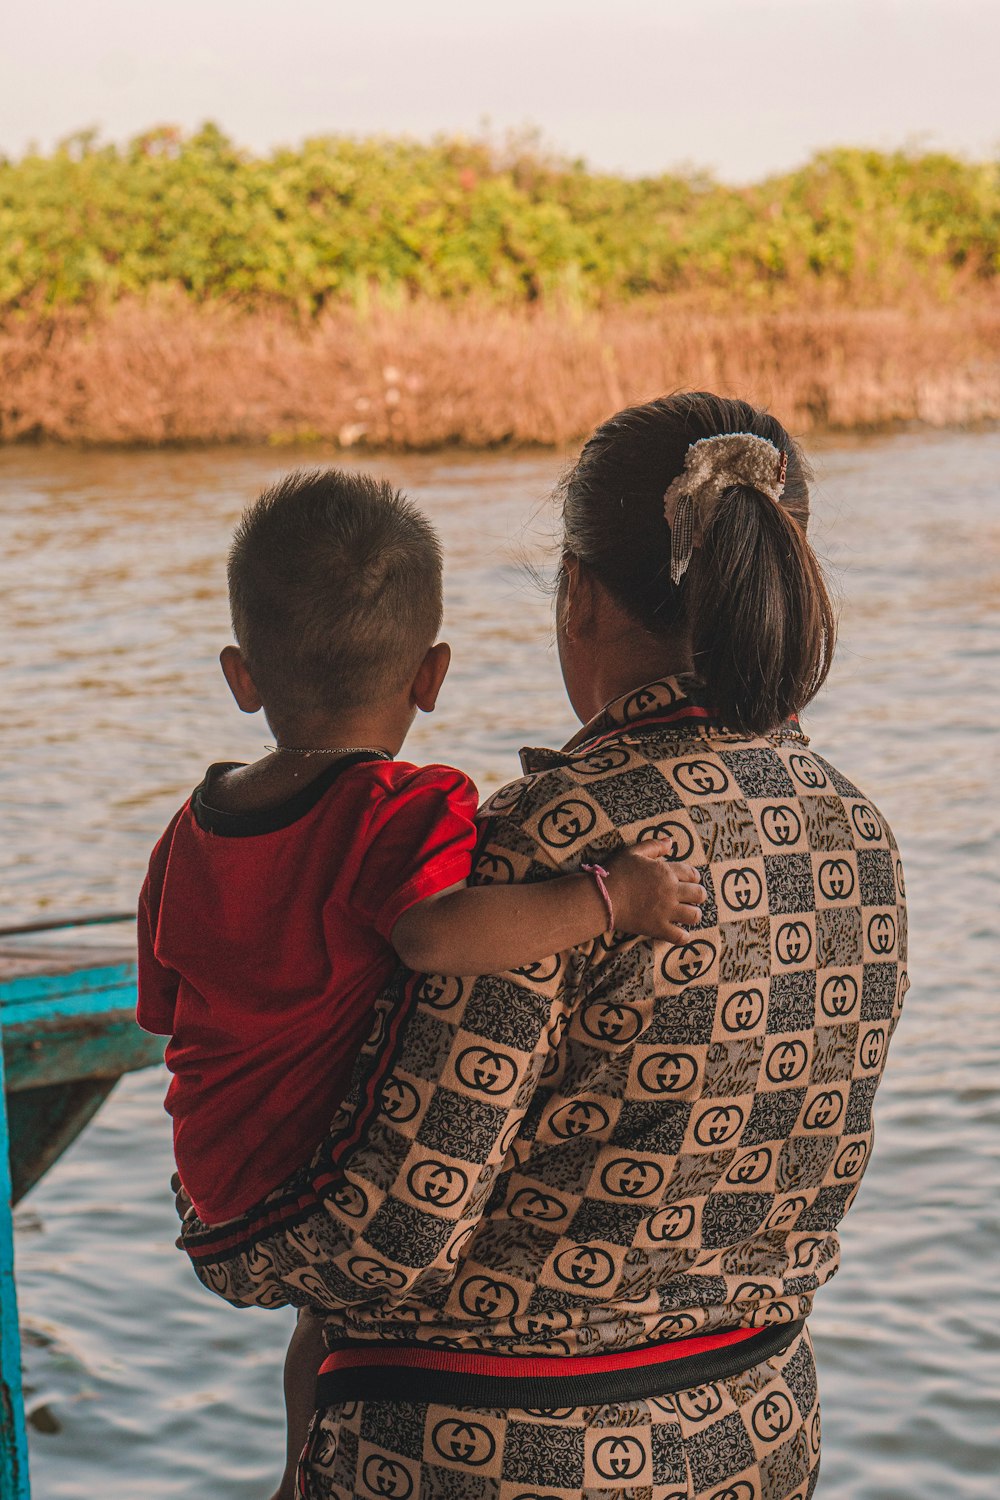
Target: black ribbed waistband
455 1377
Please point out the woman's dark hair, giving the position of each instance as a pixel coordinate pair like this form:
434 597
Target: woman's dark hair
753 602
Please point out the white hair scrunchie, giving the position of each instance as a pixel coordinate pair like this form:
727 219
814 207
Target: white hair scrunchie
711 466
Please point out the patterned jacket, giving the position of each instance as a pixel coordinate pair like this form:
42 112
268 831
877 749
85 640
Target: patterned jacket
631 1141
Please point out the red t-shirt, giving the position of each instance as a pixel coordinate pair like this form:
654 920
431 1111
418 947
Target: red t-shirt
263 941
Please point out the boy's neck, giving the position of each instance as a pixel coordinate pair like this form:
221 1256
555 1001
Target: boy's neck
373 729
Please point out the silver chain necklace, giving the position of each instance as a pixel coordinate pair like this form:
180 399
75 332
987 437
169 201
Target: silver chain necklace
352 750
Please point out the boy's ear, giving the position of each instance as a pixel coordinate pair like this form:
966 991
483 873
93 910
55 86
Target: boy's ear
241 684
431 673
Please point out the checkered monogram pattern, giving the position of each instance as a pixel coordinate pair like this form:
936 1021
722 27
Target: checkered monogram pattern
755 1436
630 1141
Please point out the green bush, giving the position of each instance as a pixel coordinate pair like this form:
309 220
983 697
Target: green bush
344 220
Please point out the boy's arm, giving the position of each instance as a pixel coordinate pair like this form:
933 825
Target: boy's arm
487 929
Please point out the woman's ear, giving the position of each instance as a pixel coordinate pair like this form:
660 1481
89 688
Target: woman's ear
241 684
431 673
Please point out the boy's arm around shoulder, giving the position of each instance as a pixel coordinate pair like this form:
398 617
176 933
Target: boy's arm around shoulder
487 929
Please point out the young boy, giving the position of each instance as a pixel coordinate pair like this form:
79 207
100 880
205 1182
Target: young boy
284 893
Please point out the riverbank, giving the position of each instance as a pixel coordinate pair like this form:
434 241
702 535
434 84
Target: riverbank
164 371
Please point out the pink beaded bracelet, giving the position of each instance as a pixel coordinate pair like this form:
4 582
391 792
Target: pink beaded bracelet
600 875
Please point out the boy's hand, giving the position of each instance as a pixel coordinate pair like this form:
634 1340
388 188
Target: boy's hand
653 895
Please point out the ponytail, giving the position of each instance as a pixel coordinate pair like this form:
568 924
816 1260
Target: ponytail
753 604
762 624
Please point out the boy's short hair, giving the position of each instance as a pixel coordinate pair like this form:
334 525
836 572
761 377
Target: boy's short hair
335 591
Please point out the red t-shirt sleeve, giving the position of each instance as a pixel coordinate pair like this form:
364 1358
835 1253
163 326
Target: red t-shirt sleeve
157 984
418 841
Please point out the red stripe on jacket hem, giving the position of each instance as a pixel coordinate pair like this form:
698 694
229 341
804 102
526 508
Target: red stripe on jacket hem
524 1367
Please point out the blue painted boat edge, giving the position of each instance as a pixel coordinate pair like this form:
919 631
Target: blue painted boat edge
28 1012
84 981
14 1483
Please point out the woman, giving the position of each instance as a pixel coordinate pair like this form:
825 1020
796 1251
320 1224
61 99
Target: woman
570 1224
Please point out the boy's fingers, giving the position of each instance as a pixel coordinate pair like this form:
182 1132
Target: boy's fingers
691 915
674 934
651 849
692 894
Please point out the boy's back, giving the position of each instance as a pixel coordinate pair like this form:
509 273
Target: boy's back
263 939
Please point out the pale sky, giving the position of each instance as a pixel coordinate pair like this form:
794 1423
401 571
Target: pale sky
742 87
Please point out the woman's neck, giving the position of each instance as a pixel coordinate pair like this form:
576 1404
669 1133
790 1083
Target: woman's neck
625 665
604 651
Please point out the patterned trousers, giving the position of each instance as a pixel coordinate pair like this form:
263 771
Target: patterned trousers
755 1436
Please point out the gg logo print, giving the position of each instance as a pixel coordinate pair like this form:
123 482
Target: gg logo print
611 1021
386 1478
464 1442
823 1110
718 1124
631 1177
667 1072
618 1455
599 762
750 1168
867 824
437 1183
781 825
850 1161
584 1267
838 995
688 961
638 704
700 778
772 1417
483 1297
350 1199
544 1321
882 934
835 878
742 890
679 840
372 1272
671 1224
743 1010
787 1061
872 1048
532 1203
400 1100
486 1071
807 772
793 941
676 1325
566 823
439 991
494 869
699 1403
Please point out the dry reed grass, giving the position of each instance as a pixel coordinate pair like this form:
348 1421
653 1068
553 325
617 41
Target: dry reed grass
164 371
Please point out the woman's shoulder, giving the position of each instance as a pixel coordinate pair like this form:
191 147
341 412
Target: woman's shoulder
697 785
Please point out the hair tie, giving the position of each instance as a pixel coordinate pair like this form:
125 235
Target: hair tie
711 466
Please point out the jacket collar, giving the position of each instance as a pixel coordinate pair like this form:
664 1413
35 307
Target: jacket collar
657 705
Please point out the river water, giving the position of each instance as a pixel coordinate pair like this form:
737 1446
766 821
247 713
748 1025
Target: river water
112 612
